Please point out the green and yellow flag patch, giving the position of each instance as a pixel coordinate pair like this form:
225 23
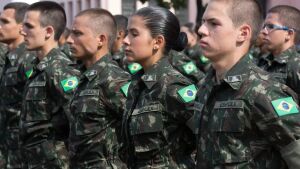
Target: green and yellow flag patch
69 83
28 73
285 106
124 88
203 59
134 67
189 67
188 93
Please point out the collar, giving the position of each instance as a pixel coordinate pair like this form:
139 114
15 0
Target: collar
97 67
50 56
284 56
236 75
152 75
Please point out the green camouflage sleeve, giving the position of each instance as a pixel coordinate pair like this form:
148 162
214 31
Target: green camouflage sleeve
115 95
276 114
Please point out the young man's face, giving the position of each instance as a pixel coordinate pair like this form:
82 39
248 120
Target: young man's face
83 41
9 28
275 38
34 34
218 34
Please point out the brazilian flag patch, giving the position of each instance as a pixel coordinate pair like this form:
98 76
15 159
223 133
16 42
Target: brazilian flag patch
285 106
124 88
203 59
28 73
189 67
69 83
134 67
188 93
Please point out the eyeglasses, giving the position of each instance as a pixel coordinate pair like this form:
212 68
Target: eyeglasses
270 27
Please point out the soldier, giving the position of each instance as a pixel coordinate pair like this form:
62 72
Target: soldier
160 99
51 83
243 119
192 49
98 103
62 42
281 34
13 80
118 49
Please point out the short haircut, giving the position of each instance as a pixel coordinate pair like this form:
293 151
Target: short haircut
245 12
122 22
101 21
51 14
20 10
288 16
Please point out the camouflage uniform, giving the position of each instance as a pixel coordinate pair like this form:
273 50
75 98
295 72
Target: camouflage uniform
159 104
12 86
196 55
245 121
285 68
3 51
43 118
96 113
185 66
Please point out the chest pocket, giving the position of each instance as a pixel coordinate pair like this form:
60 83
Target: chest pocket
228 127
11 77
36 102
147 119
89 112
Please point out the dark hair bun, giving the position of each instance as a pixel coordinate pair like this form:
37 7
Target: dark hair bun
181 42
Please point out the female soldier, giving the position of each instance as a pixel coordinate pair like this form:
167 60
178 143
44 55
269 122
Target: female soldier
160 99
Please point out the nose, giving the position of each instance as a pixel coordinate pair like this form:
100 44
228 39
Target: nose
202 31
70 39
264 31
126 40
22 32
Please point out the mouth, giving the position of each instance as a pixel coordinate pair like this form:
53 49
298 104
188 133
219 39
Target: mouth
128 52
203 43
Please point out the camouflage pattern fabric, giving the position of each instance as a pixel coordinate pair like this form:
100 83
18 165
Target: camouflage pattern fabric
12 86
3 51
44 125
96 113
196 55
159 104
284 68
244 119
185 66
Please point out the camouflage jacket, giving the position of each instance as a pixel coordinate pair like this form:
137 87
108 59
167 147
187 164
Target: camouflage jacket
159 104
245 121
96 113
3 51
196 55
44 109
285 68
185 66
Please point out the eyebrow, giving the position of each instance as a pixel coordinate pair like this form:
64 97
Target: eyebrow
210 19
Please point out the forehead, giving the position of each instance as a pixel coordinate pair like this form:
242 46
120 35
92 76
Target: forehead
217 10
136 22
82 20
8 13
272 17
32 16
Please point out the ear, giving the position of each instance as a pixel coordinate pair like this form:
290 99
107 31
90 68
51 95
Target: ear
49 32
290 35
245 33
102 40
159 42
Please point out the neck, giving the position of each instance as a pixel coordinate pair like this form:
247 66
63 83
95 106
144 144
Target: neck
16 43
223 65
284 47
149 62
46 49
97 56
